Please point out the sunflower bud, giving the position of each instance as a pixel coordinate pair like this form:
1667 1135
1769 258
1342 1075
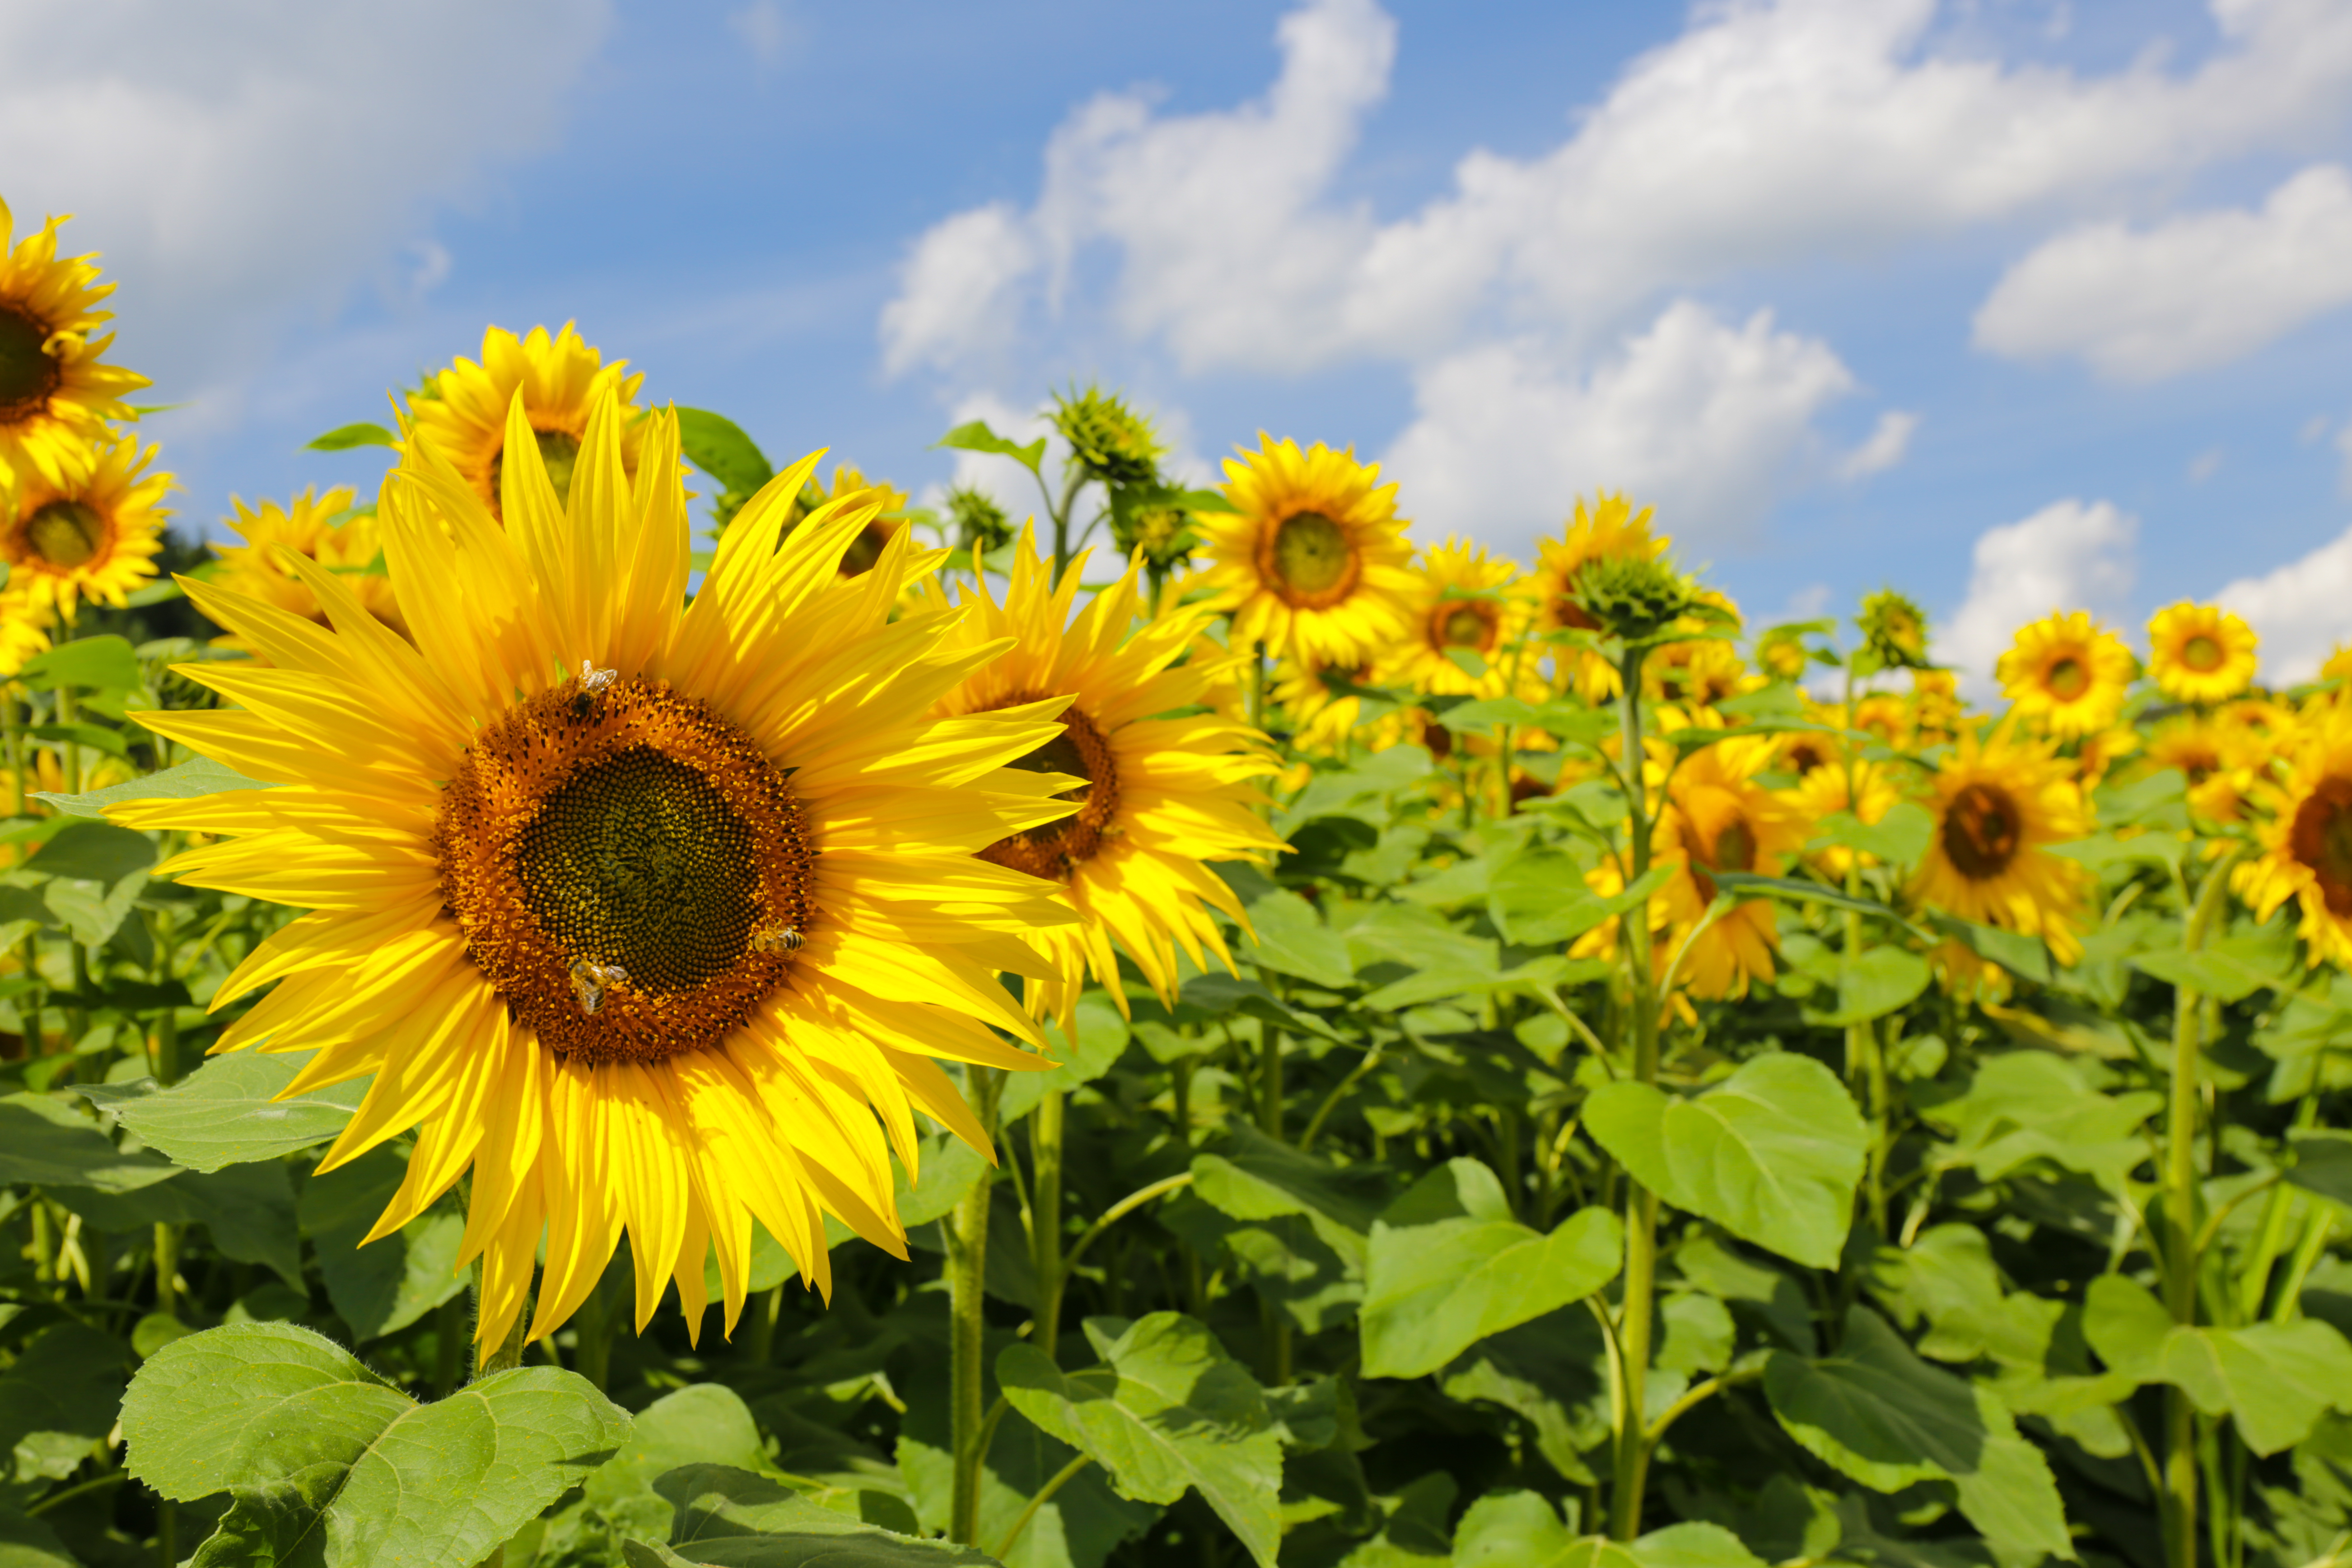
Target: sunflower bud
981 524
1109 440
1893 630
1637 598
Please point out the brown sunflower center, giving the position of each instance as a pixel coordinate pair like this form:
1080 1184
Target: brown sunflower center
1057 849
27 374
1310 553
2201 653
1572 615
1735 847
867 548
1806 755
2068 678
559 449
628 868
1465 623
2321 837
65 532
1980 831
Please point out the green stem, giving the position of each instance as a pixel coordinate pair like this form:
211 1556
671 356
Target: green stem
1640 1278
591 1339
167 1269
448 1345
80 1488
966 1272
760 1344
1061 516
1269 1081
1044 1494
1045 1126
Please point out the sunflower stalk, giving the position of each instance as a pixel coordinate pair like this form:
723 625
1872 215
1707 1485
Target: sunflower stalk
1045 1125
1636 1307
967 1239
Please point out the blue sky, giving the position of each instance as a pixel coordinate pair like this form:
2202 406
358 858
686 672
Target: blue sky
2011 303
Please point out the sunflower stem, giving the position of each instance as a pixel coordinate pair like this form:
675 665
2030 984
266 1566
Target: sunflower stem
1635 1309
1046 1218
967 1240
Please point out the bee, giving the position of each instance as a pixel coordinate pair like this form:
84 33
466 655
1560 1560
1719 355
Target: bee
592 682
589 980
777 939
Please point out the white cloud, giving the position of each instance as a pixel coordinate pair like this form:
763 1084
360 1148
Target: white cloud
960 291
1709 422
2067 556
242 164
1888 442
2192 292
2299 611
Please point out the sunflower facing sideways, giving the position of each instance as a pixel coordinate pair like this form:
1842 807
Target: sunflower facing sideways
56 394
1312 561
1997 804
1458 602
92 536
307 525
1611 530
1717 818
659 915
2199 653
462 412
2307 844
2066 675
1159 791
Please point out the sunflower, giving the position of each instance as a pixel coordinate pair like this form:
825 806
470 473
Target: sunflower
1869 795
1697 673
2198 747
92 537
657 914
306 525
1935 707
2199 653
1459 600
1321 720
1717 818
850 484
1159 791
1610 530
461 413
1312 561
1997 804
24 630
2307 844
2066 674
56 397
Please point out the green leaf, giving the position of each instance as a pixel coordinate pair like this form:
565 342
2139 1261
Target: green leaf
28 1543
2220 974
1898 838
59 1398
1873 983
96 737
1449 1266
2323 1163
732 1518
2104 849
1772 1153
343 437
1539 897
703 1424
187 781
1293 940
92 912
44 1143
2023 956
1880 1416
1747 885
94 852
226 1113
1519 1529
2022 1106
716 445
1168 1411
2274 1379
1474 718
976 437
92 664
313 1447
1253 1176
248 1210
383 1287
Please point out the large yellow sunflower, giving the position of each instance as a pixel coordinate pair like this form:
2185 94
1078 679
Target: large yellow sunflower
2307 843
884 525
462 412
1459 600
1717 818
2199 653
2066 674
1611 528
56 394
306 525
1997 804
1159 791
656 914
91 536
1313 561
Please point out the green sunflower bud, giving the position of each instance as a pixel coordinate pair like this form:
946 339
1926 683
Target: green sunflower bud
1893 630
1109 440
1636 598
981 524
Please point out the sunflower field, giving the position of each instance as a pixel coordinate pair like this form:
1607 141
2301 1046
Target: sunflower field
615 1003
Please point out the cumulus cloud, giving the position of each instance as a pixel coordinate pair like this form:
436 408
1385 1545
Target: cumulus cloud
243 163
1889 440
2067 556
1709 422
961 296
2299 610
2192 292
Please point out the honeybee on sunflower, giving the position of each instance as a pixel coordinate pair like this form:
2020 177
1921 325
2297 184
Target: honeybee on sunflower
2066 675
2200 653
57 392
1313 561
462 413
91 535
660 915
1998 804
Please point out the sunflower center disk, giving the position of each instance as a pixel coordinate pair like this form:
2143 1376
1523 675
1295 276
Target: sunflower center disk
1310 555
1058 849
2201 653
559 449
629 869
65 532
2321 839
27 375
1981 832
2068 678
1464 627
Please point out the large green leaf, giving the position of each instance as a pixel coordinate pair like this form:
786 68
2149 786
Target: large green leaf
28 1542
1538 896
383 1287
732 1517
44 1143
2022 1105
1293 940
1519 1529
703 1424
186 781
716 445
1168 1410
1875 982
2225 976
95 664
59 1398
226 1113
974 435
1772 1153
94 852
1449 1266
247 1209
1880 1416
328 1463
2274 1379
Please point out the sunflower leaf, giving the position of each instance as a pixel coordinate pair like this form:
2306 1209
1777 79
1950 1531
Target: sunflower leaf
738 1519
974 435
93 663
343 437
718 446
382 1287
227 1111
1747 884
199 776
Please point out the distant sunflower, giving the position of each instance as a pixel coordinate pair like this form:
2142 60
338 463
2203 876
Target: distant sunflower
1320 720
2197 746
1697 673
461 412
1159 792
56 397
2307 844
2065 674
1611 530
1717 818
306 525
1458 602
657 914
1935 707
2200 653
24 630
1998 804
1824 790
1312 562
851 485
93 536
